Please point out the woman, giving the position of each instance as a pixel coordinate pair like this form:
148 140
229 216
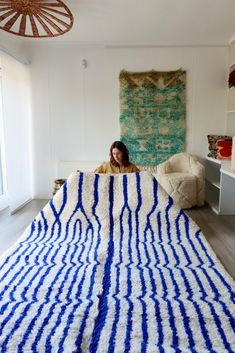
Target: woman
119 161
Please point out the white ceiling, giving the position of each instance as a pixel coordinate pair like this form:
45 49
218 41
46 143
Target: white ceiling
150 22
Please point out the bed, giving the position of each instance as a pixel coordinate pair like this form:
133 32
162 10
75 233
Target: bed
112 265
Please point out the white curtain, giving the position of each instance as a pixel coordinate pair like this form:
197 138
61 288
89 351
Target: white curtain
17 134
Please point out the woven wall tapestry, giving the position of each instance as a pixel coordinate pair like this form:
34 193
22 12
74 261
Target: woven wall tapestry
152 114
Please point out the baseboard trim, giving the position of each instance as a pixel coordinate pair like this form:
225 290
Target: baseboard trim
21 206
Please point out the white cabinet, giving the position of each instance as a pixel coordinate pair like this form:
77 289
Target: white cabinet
213 183
220 186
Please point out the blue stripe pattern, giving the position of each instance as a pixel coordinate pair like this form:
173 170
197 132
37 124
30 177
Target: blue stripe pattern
112 265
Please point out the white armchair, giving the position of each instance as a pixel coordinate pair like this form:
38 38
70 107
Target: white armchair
183 178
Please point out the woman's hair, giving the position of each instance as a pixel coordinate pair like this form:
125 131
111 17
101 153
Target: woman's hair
125 154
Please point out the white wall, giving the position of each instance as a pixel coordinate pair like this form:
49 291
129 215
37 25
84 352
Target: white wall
16 122
12 45
230 128
76 110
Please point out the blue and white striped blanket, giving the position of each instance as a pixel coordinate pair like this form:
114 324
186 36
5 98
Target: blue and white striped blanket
112 265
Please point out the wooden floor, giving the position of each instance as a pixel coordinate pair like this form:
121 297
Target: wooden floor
220 233
219 230
12 227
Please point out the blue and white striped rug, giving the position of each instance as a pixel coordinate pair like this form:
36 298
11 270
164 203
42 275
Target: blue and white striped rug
112 265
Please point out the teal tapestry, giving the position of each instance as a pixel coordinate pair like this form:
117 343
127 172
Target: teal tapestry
152 114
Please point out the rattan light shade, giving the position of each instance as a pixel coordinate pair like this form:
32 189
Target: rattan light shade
35 18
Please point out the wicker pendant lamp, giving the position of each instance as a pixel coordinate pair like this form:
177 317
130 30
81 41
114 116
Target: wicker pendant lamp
35 18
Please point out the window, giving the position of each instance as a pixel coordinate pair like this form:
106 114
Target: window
3 188
1 181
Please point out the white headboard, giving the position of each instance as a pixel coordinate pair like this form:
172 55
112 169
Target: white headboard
64 168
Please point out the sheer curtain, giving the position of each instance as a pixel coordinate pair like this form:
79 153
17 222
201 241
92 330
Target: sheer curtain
3 184
17 134
1 177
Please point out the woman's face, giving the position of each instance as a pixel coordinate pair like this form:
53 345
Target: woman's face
117 155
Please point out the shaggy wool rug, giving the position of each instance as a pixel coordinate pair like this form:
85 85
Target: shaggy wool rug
112 265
